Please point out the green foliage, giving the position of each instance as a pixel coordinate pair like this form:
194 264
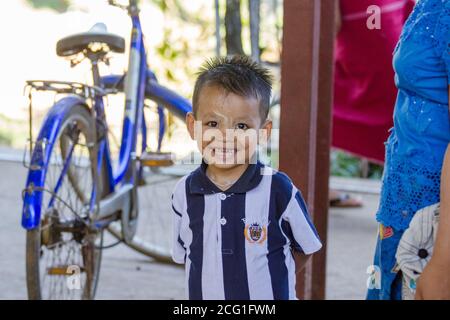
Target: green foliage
375 171
57 5
162 5
346 165
173 57
5 138
12 132
165 50
176 9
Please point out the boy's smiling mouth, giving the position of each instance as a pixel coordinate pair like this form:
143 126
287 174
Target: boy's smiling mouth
224 153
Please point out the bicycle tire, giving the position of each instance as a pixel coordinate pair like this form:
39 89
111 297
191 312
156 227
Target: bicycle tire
79 117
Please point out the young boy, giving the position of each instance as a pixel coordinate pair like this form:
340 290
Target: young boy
240 227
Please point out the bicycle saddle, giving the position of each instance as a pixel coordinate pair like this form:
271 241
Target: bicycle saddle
76 43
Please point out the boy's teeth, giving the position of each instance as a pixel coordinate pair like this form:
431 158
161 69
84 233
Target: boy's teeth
225 151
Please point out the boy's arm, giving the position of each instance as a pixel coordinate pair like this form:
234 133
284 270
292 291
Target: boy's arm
178 246
300 228
434 283
300 260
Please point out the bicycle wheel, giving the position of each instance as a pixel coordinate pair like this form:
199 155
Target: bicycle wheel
63 254
153 234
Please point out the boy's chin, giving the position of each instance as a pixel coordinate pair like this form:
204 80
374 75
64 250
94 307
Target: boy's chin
225 164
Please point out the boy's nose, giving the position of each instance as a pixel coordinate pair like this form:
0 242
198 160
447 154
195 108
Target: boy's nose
220 133
225 144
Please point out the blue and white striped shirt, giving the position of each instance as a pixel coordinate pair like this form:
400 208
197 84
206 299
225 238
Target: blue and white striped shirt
236 244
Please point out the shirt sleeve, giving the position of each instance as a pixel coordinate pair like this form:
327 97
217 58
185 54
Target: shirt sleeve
298 226
178 248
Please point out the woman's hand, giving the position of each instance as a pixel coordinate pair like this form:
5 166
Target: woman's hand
434 283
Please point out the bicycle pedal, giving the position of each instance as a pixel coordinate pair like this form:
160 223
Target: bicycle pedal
63 270
156 159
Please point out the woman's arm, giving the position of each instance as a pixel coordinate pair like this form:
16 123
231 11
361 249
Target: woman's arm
434 283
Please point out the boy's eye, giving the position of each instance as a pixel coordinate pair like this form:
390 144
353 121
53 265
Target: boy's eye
242 126
211 124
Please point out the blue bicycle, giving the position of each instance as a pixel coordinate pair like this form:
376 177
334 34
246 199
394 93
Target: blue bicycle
72 191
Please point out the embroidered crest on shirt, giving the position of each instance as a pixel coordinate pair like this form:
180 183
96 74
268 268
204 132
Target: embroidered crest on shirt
255 232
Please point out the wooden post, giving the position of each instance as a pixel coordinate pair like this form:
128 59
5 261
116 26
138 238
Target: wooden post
305 123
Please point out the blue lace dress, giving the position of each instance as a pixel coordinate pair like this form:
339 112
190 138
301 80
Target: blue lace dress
416 146
417 143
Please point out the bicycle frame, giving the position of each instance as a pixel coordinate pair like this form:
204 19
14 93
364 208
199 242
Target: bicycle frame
134 88
140 82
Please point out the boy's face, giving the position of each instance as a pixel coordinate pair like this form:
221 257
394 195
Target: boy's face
226 127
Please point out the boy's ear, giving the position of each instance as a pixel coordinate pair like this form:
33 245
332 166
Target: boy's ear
267 126
264 132
190 123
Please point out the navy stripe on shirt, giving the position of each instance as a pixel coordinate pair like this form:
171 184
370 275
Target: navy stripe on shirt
280 193
288 232
233 249
176 211
305 211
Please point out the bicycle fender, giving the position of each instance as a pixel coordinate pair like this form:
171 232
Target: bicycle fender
31 211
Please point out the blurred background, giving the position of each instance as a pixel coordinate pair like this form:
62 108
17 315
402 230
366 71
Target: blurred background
180 35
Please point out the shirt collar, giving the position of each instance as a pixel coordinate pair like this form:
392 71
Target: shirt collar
200 183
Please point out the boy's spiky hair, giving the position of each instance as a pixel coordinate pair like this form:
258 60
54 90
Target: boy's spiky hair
239 75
